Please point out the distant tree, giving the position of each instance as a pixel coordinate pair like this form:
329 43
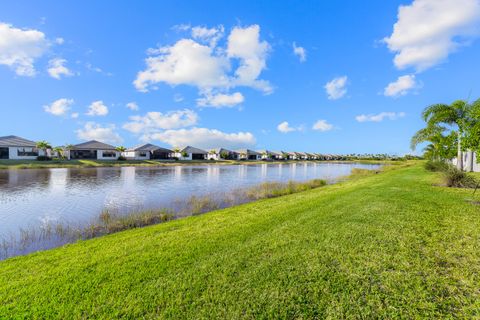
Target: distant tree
121 149
59 151
44 146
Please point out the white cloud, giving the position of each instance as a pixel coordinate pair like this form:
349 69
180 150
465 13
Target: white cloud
155 121
97 108
59 41
208 67
401 86
178 97
132 106
220 100
284 127
245 44
74 115
336 88
427 31
380 116
322 125
186 62
19 49
204 138
300 52
59 107
57 68
94 131
208 35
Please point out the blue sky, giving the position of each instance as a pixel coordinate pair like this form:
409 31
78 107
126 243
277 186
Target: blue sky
323 76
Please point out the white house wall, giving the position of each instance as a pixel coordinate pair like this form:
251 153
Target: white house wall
13 154
135 155
101 157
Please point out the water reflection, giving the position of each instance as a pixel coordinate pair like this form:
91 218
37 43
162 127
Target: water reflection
31 196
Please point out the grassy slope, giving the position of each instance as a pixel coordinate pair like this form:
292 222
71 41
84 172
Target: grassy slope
381 246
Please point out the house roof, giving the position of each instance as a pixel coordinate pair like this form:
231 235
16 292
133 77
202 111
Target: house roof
249 152
220 150
14 141
190 149
149 147
93 145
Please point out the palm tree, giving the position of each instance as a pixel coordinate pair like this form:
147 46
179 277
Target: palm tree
44 146
121 149
59 151
453 115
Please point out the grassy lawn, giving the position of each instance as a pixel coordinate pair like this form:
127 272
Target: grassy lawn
33 164
381 246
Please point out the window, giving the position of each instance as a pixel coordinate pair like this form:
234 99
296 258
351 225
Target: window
142 154
27 152
109 154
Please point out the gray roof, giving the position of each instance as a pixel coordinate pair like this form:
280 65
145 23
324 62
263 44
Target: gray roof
249 152
273 153
220 150
190 149
149 147
93 145
14 141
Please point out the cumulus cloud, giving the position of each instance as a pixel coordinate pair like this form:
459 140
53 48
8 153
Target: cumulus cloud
427 31
201 63
20 48
204 138
186 62
74 115
208 35
285 127
97 108
95 131
132 106
300 52
155 121
59 107
380 116
336 88
322 125
221 100
401 86
57 69
245 44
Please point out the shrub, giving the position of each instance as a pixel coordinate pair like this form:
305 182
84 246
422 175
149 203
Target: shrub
43 158
122 158
456 178
437 166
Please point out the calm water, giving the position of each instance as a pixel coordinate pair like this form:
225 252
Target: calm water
32 197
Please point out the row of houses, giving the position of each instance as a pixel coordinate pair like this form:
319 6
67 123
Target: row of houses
13 147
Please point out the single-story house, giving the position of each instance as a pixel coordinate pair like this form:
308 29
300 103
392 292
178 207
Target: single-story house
222 154
148 151
301 156
289 155
17 148
310 156
94 150
270 155
191 153
247 154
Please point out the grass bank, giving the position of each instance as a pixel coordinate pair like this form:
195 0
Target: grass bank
34 164
381 246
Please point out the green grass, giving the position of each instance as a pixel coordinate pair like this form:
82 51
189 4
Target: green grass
382 246
34 164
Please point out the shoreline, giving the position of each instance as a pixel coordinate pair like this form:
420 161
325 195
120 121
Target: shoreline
54 164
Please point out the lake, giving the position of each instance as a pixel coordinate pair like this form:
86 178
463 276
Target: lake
32 197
